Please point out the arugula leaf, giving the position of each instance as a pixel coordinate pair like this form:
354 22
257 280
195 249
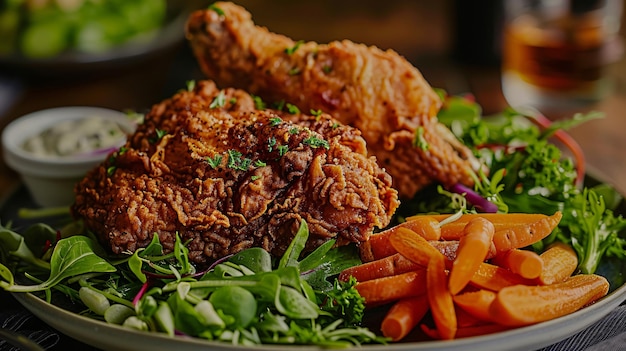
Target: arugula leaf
593 230
72 256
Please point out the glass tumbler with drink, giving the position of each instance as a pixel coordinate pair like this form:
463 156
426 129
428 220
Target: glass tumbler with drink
555 52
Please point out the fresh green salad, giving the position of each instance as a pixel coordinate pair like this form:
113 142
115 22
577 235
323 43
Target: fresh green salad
253 298
46 28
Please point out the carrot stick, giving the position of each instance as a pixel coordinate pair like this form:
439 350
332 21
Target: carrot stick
440 299
473 248
384 290
454 229
384 267
378 246
523 305
476 303
526 263
559 262
403 316
494 278
523 235
414 247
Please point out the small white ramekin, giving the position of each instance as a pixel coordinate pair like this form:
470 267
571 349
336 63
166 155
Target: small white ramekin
51 180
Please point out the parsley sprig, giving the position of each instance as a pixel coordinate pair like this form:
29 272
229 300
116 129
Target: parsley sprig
237 162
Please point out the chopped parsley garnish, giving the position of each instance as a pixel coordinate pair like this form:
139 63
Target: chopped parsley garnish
327 68
271 142
191 84
233 100
335 125
294 131
160 133
218 10
237 162
121 151
214 161
418 140
259 163
291 50
316 142
293 109
111 170
259 104
274 121
294 71
255 177
282 149
219 100
316 113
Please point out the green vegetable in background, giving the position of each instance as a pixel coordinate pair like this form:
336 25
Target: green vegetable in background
46 29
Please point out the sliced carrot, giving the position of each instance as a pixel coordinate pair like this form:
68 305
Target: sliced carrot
559 263
403 316
523 305
378 245
523 235
454 229
388 289
384 267
414 247
427 227
440 299
526 263
477 303
473 249
494 278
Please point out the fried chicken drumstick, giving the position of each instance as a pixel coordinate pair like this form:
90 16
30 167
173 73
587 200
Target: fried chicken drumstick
207 166
376 91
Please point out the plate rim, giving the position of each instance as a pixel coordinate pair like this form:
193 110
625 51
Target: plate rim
553 331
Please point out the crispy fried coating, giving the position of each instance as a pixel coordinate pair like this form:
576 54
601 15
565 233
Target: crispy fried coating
207 166
376 91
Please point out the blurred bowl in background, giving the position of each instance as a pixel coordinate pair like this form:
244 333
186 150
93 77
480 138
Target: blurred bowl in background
58 39
51 178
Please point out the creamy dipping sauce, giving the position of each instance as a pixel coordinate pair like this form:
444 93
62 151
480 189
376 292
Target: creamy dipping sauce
77 137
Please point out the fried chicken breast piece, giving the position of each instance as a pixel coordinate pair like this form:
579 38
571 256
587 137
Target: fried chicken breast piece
378 92
207 166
